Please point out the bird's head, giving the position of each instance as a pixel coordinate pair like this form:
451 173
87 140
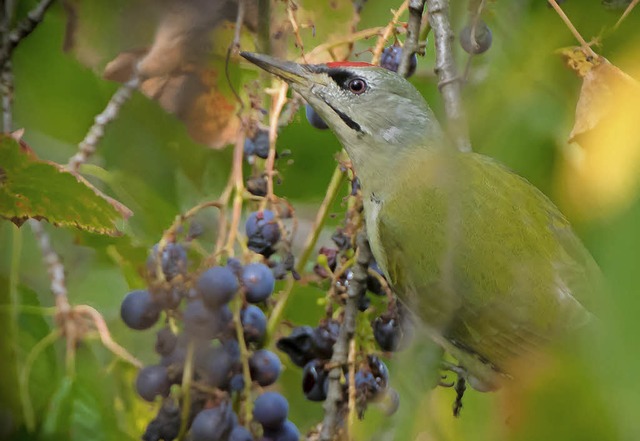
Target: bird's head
375 112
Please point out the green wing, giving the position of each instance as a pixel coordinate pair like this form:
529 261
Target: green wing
486 259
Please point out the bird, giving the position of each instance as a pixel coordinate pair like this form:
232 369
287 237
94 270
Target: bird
484 259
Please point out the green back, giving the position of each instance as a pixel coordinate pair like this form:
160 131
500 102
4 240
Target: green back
495 266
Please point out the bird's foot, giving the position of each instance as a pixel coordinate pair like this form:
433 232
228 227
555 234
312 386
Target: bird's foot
460 385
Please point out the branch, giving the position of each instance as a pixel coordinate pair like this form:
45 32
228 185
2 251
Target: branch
357 286
87 146
449 84
411 44
23 29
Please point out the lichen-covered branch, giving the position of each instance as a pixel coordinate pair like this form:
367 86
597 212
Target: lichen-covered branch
357 287
23 29
411 43
87 146
449 81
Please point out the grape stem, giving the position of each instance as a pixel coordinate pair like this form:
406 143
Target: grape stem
244 358
187 375
357 287
585 46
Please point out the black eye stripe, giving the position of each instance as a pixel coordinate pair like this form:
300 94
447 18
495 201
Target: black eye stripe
341 77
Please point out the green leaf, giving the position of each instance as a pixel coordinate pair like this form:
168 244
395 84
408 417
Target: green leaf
32 188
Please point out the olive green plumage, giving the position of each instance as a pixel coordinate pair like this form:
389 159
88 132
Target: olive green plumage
483 258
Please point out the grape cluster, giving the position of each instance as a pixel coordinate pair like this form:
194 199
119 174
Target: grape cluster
203 328
258 145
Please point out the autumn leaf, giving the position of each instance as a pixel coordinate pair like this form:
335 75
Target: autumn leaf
33 188
600 170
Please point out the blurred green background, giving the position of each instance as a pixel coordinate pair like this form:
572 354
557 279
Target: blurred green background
520 100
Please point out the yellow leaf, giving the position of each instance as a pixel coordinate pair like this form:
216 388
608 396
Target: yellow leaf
599 174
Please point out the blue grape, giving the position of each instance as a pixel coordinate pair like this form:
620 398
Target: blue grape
254 324
139 310
240 433
217 285
236 384
174 260
214 424
314 119
265 367
270 410
391 57
202 322
219 366
483 38
258 281
287 432
153 381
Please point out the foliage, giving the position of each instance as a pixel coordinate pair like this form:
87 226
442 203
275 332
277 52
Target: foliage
521 106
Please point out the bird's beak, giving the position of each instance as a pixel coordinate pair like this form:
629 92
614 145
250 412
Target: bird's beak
293 73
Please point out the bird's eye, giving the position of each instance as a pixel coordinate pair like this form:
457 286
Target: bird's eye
357 86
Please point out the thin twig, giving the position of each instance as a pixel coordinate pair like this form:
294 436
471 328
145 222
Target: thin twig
321 216
411 43
585 46
87 146
326 47
388 30
105 336
274 117
357 286
625 13
449 84
291 14
246 415
23 29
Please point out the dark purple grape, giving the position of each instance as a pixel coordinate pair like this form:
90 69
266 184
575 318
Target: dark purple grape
261 142
483 38
257 185
217 285
174 261
270 410
166 341
153 381
166 424
324 337
202 322
139 310
287 432
391 57
254 324
214 424
387 332
379 371
240 433
258 282
315 381
373 284
298 345
314 119
265 367
263 232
